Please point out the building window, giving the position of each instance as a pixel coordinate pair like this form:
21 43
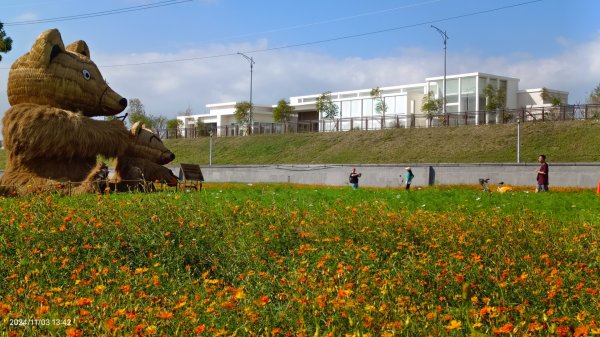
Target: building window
467 94
367 107
356 109
451 91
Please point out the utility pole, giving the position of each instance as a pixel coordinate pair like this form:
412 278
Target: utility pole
251 60
445 37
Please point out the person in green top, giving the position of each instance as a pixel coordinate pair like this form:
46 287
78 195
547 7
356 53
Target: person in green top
408 177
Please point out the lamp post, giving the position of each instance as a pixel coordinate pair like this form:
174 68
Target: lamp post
445 37
251 60
210 134
518 140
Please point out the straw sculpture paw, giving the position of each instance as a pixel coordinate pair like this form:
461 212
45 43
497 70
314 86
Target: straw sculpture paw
50 139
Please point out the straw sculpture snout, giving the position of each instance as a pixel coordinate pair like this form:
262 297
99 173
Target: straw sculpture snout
149 139
62 77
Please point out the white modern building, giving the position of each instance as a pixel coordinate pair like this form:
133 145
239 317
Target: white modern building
221 117
465 103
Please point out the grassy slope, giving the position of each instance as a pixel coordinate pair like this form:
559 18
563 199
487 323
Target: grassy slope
577 141
561 142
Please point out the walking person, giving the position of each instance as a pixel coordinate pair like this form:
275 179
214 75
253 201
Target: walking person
354 178
542 175
408 178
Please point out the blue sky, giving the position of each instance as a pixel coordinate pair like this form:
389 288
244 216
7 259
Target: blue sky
546 43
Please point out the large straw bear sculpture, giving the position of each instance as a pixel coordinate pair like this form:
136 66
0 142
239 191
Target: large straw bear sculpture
49 135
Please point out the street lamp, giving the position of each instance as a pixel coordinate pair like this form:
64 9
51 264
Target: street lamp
251 60
445 37
518 140
210 134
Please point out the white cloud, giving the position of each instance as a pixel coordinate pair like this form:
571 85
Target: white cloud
169 88
29 16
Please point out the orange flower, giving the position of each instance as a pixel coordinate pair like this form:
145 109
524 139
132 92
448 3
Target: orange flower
42 310
199 329
165 315
110 324
72 332
68 218
138 329
83 301
264 300
506 328
581 331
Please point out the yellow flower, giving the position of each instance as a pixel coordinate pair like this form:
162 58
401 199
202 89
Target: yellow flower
240 294
454 325
151 330
140 271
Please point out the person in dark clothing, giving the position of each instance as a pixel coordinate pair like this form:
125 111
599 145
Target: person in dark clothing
354 178
542 175
408 178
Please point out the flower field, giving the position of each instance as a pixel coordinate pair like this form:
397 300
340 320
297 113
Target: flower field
282 260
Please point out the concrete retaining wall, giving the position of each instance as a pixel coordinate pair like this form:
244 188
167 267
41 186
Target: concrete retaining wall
390 175
563 174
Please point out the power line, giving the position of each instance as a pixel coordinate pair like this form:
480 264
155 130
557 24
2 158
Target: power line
346 37
96 14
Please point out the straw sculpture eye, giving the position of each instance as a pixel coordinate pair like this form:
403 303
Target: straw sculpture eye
86 74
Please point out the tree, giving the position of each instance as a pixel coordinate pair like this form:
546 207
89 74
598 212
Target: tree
5 41
158 122
431 106
548 97
594 97
495 98
380 107
174 123
283 111
326 107
242 113
555 102
200 126
137 113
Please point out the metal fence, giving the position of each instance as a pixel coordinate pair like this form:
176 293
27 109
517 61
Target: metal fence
503 116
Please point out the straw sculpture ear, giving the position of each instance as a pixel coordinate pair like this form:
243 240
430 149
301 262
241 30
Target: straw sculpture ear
47 46
136 128
79 47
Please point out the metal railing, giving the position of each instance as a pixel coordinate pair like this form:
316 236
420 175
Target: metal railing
501 116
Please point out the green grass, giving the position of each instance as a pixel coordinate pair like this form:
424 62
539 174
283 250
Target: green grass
267 260
577 141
